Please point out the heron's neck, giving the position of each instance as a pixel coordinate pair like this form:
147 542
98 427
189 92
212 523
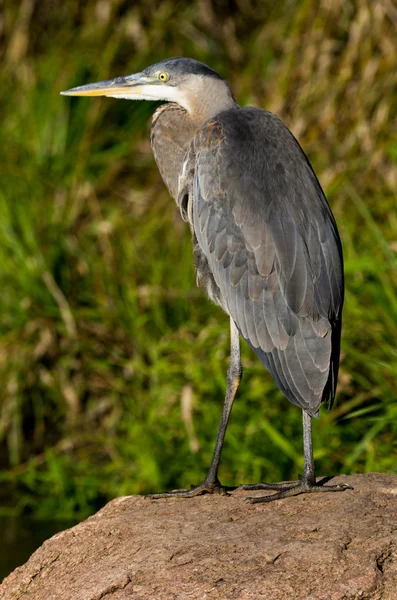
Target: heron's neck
171 136
205 104
174 126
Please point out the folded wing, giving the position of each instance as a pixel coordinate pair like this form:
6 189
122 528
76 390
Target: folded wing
271 243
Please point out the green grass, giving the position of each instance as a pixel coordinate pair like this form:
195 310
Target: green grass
112 362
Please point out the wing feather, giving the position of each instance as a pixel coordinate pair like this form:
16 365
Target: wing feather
264 226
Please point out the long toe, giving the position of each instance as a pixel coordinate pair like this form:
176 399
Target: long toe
282 485
198 490
301 487
340 487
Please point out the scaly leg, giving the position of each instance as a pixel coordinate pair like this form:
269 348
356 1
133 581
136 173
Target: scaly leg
306 484
211 484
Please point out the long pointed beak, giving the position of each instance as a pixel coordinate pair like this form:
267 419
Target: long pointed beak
130 85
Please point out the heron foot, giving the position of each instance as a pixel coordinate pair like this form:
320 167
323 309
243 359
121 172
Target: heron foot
292 488
207 487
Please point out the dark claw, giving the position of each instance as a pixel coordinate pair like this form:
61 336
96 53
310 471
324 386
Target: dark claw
346 486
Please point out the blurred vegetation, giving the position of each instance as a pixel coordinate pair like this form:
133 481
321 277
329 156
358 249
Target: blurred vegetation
112 362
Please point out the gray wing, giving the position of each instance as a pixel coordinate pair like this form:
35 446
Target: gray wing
271 243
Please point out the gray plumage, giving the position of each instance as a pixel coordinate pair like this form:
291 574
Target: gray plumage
266 246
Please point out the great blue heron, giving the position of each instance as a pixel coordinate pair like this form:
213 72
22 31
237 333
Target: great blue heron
266 245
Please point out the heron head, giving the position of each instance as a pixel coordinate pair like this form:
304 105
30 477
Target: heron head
182 80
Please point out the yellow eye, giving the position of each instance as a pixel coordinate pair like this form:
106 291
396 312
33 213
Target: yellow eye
163 76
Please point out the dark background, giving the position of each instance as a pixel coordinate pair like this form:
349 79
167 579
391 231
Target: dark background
112 362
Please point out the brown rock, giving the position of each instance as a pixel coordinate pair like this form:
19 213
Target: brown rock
313 547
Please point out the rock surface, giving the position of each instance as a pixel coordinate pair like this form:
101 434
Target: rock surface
313 547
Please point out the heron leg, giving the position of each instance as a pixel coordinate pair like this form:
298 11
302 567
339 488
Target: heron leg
306 484
211 484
